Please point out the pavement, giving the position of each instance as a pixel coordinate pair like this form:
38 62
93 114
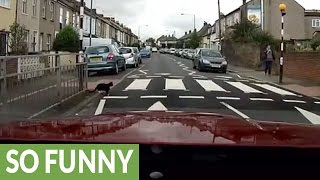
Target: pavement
169 83
305 87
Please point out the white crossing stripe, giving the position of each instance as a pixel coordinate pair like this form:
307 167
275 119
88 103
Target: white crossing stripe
100 107
191 97
209 85
153 97
275 89
235 110
174 84
228 98
293 101
225 77
312 117
116 97
139 84
244 88
261 99
317 102
153 76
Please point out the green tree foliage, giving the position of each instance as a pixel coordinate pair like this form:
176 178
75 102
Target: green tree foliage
17 40
249 32
179 44
194 41
136 45
315 43
152 41
67 40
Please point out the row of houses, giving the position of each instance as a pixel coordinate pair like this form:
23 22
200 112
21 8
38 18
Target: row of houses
43 20
300 24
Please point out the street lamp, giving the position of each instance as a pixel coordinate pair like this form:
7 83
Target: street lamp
194 19
282 8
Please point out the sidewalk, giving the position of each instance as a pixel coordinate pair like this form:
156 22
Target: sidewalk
308 88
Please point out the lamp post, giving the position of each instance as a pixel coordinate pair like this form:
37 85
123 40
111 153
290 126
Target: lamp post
220 35
194 19
282 8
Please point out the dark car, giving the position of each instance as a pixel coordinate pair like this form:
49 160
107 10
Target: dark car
145 53
209 59
104 58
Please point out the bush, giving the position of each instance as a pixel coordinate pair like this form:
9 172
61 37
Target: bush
315 43
17 40
194 41
247 32
67 40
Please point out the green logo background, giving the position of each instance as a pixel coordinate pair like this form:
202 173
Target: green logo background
57 174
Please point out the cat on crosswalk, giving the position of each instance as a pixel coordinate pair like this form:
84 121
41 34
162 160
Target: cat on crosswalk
103 87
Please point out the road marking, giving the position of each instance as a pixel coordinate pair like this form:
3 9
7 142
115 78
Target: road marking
275 89
153 76
133 77
116 97
176 76
317 102
243 80
244 88
261 99
228 98
293 101
100 107
158 106
162 74
153 97
312 117
191 97
226 77
221 79
235 110
199 77
175 84
138 84
143 71
209 86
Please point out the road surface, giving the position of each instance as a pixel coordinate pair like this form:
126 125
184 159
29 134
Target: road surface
169 83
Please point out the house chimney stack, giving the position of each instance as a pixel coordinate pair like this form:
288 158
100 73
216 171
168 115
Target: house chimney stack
185 33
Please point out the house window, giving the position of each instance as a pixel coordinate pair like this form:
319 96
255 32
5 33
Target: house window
316 23
41 42
24 6
34 7
44 9
61 16
5 3
26 37
49 41
67 18
73 20
78 21
51 10
34 41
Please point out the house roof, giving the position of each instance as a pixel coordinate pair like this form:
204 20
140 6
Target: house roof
204 30
167 38
312 13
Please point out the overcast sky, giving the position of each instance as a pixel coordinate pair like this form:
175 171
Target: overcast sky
164 16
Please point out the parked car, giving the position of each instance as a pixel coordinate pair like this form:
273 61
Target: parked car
162 51
184 53
154 50
104 58
166 51
172 50
209 59
145 53
176 53
131 56
180 53
136 50
190 54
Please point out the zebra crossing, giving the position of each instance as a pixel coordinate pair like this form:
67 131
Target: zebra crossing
229 86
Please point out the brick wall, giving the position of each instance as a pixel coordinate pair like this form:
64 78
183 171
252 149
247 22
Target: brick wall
305 66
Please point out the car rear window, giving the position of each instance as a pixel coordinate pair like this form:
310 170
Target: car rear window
210 53
125 50
97 50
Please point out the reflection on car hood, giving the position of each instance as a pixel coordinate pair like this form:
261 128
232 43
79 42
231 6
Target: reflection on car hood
213 59
162 127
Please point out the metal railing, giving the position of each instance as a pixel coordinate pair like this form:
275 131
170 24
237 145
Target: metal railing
32 84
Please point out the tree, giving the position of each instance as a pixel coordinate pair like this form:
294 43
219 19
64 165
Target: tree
152 41
17 40
135 45
67 40
315 43
194 41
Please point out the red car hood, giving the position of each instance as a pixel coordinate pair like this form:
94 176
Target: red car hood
163 128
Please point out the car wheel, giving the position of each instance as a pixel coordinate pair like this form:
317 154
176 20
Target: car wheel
124 67
224 71
194 66
116 69
199 67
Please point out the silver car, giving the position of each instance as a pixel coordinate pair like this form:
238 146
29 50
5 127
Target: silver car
131 55
104 58
209 59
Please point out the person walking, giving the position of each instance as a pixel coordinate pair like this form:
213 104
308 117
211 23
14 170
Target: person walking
268 60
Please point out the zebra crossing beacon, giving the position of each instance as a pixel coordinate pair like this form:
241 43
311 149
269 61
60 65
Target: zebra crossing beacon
282 8
81 30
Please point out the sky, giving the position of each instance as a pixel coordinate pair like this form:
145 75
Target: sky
163 17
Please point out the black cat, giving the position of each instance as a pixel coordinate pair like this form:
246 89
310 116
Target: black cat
103 87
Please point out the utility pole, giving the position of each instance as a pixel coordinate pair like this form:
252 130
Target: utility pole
91 13
220 36
81 29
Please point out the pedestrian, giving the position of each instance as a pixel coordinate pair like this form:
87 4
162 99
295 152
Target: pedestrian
268 60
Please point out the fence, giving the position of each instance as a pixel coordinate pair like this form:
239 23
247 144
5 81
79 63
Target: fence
29 85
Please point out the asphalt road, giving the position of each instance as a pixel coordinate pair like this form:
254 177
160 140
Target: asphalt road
169 83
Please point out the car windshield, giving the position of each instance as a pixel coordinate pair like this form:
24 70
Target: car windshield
210 53
97 50
125 50
211 71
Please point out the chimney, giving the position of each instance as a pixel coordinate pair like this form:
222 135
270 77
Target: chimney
205 23
189 31
185 33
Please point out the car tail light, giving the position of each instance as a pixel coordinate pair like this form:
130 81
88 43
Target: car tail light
110 57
